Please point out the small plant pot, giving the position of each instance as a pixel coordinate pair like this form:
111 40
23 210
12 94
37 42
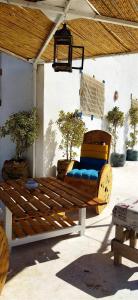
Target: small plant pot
117 159
64 166
15 169
132 155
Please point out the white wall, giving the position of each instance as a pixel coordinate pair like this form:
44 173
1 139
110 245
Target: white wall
120 74
16 95
61 91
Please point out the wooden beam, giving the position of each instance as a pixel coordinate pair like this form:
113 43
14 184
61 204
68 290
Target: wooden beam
112 54
13 54
125 251
36 5
115 21
59 21
45 8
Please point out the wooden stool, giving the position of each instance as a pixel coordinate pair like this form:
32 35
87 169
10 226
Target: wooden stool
125 218
4 258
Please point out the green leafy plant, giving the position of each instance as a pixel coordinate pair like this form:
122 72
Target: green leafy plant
23 130
133 114
115 119
72 129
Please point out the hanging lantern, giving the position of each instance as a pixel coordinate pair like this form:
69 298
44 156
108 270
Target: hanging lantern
63 48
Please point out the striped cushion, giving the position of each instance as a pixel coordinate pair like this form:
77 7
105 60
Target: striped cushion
95 151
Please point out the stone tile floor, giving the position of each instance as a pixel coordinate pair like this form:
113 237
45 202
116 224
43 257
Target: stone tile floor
73 267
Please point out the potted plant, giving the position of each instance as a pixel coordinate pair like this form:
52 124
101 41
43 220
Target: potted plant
132 154
23 130
115 119
72 129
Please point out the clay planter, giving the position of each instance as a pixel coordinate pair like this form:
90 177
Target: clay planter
117 159
64 166
14 169
132 155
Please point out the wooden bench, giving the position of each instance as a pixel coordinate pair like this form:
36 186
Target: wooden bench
32 215
125 218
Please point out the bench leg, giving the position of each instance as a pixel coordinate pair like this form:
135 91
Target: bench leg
8 225
82 217
119 236
133 238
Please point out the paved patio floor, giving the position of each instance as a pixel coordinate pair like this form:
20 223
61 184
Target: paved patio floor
73 267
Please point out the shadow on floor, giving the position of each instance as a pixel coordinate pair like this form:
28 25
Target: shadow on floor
38 252
30 254
96 275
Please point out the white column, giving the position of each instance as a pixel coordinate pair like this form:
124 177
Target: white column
39 169
8 225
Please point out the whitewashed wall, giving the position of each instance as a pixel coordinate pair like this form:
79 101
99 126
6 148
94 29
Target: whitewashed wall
16 95
120 74
61 91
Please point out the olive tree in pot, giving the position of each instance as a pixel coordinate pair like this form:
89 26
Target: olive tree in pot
115 119
23 130
132 154
72 129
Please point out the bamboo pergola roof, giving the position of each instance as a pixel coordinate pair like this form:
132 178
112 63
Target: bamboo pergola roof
113 30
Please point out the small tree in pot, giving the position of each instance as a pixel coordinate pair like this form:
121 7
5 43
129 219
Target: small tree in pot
132 154
72 129
115 119
23 130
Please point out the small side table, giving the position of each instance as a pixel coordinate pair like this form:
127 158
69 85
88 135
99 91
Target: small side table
125 218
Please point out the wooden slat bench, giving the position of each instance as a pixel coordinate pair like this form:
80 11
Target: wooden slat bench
125 218
32 215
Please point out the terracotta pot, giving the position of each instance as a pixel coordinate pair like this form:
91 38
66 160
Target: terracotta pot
64 166
13 169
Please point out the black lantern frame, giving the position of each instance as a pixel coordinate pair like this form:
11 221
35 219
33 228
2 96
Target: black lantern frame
63 37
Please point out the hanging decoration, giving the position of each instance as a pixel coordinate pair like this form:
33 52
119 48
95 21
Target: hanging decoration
63 47
92 96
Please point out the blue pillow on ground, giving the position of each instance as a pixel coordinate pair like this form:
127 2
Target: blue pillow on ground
83 173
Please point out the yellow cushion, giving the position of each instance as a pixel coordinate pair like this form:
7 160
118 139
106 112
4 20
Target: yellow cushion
95 151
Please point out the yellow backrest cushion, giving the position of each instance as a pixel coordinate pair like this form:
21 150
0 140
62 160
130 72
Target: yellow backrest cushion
95 151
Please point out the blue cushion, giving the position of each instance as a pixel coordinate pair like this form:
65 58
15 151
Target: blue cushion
92 163
83 173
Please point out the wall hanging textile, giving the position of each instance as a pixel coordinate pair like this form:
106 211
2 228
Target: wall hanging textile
91 96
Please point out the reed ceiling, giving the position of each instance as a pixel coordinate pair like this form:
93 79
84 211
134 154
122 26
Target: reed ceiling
23 31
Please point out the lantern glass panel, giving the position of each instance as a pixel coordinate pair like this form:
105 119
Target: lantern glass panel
62 53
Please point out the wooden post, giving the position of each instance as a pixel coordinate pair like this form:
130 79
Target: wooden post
132 238
119 236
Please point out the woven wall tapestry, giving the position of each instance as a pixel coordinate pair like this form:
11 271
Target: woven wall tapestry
92 96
